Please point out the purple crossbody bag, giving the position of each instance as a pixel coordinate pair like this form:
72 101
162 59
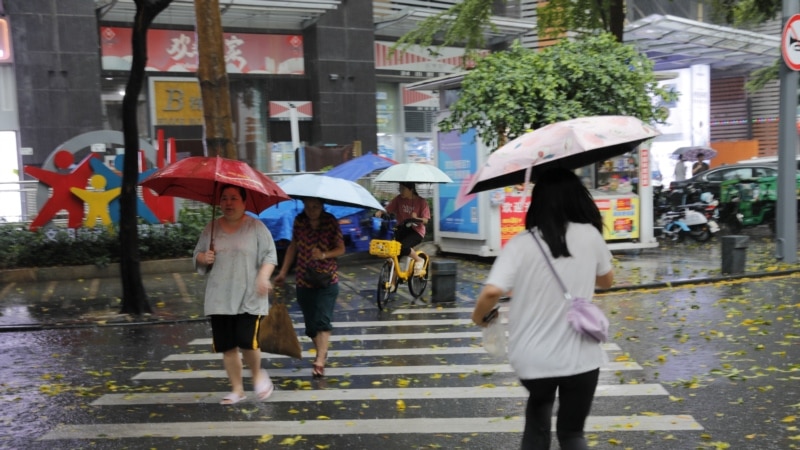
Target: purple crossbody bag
584 316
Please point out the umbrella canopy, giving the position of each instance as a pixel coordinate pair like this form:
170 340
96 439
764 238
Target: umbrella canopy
414 173
571 144
331 190
691 153
200 178
359 167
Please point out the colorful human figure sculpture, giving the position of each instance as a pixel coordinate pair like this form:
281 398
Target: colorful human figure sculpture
97 199
114 180
61 198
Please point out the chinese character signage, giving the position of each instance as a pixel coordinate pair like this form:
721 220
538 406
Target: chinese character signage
176 51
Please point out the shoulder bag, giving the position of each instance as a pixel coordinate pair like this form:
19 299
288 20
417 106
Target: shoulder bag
584 316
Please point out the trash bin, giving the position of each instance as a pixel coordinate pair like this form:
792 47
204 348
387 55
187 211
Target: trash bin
443 278
734 253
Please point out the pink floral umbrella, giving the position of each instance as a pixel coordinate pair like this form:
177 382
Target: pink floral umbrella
571 144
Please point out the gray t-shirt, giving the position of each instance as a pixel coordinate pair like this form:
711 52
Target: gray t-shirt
541 342
231 283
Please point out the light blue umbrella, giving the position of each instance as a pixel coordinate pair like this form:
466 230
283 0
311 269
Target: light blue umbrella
331 190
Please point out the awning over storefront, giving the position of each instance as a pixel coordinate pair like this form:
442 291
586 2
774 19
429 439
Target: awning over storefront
293 15
398 17
392 18
676 43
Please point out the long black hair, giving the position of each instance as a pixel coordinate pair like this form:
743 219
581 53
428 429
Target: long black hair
559 197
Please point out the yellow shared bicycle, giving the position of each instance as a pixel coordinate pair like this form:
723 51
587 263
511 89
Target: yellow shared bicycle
393 274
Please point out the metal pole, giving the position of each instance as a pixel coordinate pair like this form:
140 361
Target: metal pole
786 244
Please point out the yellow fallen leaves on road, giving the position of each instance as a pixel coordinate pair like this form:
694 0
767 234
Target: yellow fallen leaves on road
292 441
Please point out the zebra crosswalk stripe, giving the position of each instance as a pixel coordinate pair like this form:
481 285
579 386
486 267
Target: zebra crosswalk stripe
350 427
438 393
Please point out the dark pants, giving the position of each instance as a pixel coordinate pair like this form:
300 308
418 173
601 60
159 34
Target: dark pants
407 238
575 395
317 306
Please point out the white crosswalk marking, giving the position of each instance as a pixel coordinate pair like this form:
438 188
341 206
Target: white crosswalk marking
369 394
367 426
413 358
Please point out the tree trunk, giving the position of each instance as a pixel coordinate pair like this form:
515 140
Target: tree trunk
213 79
134 297
616 21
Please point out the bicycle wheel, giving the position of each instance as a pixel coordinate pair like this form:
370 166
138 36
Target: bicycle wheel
384 285
416 284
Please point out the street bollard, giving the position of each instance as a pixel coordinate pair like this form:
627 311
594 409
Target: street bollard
734 254
443 277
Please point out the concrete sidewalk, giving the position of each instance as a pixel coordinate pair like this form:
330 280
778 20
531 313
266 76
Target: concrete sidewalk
42 298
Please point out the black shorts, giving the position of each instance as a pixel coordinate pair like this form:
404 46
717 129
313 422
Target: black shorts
229 332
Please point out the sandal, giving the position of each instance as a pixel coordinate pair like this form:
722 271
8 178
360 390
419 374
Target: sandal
265 387
318 370
419 268
232 399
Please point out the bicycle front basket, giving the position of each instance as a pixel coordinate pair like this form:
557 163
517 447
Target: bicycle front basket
384 249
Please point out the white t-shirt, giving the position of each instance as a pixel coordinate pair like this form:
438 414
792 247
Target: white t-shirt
680 171
541 342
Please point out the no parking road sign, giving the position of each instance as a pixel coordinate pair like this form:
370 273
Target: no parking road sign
790 42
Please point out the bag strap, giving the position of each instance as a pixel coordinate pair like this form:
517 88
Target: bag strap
552 269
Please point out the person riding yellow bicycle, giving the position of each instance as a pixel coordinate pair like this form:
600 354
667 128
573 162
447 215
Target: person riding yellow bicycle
412 213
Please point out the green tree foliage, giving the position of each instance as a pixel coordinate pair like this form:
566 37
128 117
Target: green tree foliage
510 92
557 17
463 24
742 13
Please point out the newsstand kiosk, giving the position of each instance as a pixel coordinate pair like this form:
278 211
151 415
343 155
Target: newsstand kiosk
480 224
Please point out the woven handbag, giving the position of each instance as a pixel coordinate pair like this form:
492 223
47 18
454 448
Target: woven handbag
276 333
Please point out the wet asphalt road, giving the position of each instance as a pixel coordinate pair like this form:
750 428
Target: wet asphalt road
721 358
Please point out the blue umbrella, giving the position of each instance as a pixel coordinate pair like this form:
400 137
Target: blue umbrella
279 218
359 167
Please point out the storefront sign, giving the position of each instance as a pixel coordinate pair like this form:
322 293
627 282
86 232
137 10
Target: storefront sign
176 51
177 101
282 110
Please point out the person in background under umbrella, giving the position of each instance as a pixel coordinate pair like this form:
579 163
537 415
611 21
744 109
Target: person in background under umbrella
316 243
547 354
413 213
239 265
680 168
700 165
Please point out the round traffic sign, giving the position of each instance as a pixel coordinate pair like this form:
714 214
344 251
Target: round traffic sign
790 42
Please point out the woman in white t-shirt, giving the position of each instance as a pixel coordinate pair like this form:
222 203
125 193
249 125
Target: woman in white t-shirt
545 351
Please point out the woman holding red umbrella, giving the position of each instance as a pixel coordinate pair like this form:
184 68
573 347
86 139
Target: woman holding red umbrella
238 259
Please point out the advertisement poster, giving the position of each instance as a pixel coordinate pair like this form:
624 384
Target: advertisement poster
512 214
620 217
458 153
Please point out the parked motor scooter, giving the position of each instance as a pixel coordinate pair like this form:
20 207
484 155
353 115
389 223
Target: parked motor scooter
675 224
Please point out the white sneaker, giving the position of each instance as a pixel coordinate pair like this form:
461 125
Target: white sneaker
418 266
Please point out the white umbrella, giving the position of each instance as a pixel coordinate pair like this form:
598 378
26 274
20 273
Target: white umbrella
331 190
413 173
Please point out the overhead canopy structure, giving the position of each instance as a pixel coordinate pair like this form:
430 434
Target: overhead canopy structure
392 18
676 43
398 17
267 15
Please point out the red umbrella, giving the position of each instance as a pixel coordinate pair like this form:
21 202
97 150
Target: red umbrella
199 178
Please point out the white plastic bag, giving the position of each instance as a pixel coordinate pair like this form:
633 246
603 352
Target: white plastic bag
494 337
